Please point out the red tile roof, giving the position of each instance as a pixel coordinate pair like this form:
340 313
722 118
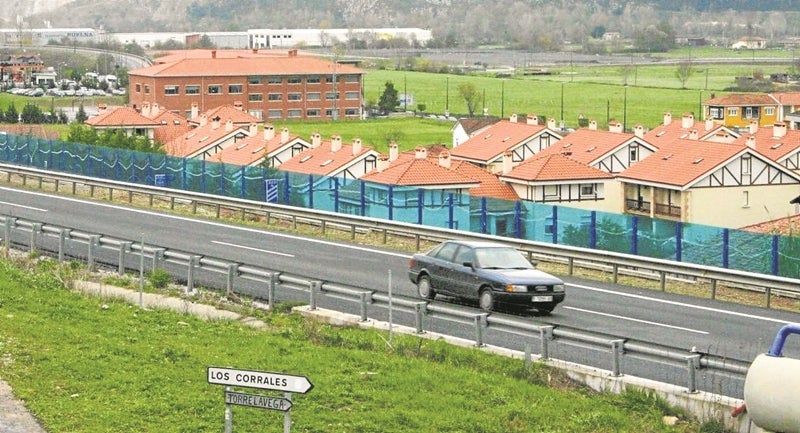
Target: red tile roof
787 98
491 186
253 149
495 140
473 124
201 138
225 112
231 66
408 170
739 99
774 148
322 161
120 117
675 130
554 167
788 226
174 56
589 145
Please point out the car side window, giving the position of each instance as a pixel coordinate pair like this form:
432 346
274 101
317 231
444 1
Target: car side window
464 254
446 252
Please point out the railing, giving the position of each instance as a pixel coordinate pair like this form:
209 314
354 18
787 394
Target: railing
615 263
114 252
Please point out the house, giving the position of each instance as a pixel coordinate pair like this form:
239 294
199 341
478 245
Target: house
689 128
170 125
125 119
718 184
523 140
269 86
778 143
263 148
789 108
206 140
468 127
233 112
333 159
739 109
750 43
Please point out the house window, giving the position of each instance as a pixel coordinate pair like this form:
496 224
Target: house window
551 191
330 112
254 80
275 96
275 114
769 111
313 96
587 190
745 198
313 79
312 112
193 90
331 95
717 113
146 89
258 114
351 78
235 88
329 79
351 95
351 112
294 97
751 112
171 90
294 114
294 80
255 97
215 89
275 80
733 111
634 153
747 164
138 88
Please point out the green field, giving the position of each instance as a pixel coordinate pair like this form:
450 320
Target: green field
85 364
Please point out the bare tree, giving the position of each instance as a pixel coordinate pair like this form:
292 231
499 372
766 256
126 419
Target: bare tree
683 72
471 96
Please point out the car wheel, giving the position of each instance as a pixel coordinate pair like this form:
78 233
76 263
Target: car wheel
424 288
486 300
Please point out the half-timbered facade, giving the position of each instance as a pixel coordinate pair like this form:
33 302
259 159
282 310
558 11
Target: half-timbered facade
264 148
778 143
333 159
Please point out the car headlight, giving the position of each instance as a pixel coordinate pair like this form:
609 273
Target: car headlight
516 288
558 287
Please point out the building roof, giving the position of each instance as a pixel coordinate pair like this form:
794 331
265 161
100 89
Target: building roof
490 184
170 126
323 160
421 172
741 99
174 56
227 111
253 149
674 129
554 167
473 124
203 137
118 117
496 140
221 65
773 145
787 226
589 145
787 98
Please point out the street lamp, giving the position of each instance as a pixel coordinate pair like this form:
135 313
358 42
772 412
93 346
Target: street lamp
502 98
447 96
625 110
562 106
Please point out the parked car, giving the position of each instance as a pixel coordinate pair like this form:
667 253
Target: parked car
491 273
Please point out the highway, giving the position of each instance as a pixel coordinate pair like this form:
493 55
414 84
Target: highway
725 329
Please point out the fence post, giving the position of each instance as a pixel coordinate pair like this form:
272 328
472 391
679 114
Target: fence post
363 199
518 219
635 235
419 309
336 194
479 321
35 229
450 211
483 215
62 243
124 247
775 265
692 364
314 287
420 202
273 283
94 240
390 203
678 241
364 298
555 225
616 354
592 230
190 274
311 191
545 335
233 270
158 257
725 247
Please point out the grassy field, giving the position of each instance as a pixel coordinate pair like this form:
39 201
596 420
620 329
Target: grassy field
85 364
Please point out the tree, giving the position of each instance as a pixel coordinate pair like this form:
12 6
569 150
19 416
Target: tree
389 99
658 38
683 73
12 115
81 116
471 96
32 114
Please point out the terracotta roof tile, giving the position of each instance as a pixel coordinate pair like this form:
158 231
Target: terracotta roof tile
322 161
495 140
253 149
119 117
738 99
776 148
554 167
410 171
787 98
201 138
226 66
491 186
225 112
675 130
589 145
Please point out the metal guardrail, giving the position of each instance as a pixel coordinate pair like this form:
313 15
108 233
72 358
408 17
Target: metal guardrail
96 246
615 263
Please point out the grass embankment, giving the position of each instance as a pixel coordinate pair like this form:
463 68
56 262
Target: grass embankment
85 364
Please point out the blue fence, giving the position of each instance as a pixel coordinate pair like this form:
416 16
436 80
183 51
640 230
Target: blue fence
671 240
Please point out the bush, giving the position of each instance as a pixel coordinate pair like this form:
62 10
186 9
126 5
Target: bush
159 278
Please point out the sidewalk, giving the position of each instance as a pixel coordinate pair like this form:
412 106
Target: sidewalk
14 417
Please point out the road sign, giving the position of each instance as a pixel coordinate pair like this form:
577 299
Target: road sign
259 379
255 400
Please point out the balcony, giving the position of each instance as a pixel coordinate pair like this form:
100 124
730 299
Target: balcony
643 207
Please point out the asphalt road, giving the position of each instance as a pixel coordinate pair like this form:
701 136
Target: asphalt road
725 329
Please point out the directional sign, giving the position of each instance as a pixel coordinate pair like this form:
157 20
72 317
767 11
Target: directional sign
255 400
259 379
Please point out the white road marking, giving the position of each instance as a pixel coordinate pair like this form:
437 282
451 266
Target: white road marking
630 319
680 304
24 207
227 244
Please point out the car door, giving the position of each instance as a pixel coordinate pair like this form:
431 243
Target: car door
441 268
463 278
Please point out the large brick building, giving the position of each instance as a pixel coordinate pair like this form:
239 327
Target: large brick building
266 84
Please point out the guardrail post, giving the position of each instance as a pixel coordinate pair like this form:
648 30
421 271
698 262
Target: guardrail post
480 319
616 353
10 223
692 364
364 298
273 284
528 355
233 270
662 277
314 287
419 310
35 229
545 335
615 272
94 241
158 257
124 248
62 243
193 260
714 288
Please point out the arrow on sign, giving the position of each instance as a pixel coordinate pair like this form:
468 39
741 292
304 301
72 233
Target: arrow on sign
259 379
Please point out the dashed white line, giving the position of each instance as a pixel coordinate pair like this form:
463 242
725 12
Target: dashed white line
630 319
244 247
23 207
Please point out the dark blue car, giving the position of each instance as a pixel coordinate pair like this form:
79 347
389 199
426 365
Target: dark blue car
492 274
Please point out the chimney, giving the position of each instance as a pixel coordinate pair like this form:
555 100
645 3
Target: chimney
394 153
383 162
215 122
753 126
336 143
687 121
228 125
203 119
253 129
513 118
101 107
255 50
638 130
146 109
269 132
238 105
508 163
213 54
667 118
154 110
709 124
420 152
693 135
444 159
285 135
751 141
779 130
615 126
356 146
316 140
593 125
551 124
532 119
195 110
293 53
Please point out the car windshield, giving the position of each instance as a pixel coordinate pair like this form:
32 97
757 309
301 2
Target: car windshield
500 258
